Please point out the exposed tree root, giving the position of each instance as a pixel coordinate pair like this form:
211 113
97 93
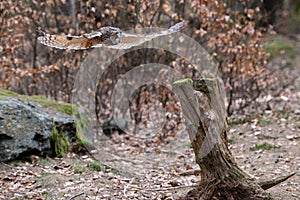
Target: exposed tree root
271 183
219 190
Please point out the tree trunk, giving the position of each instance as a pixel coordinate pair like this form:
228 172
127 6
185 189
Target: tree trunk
204 111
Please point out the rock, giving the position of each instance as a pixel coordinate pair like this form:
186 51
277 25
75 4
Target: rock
27 128
110 126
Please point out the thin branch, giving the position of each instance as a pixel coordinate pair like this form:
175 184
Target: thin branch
171 188
156 11
77 195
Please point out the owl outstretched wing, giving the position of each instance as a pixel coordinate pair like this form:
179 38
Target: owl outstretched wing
110 37
104 36
65 42
130 40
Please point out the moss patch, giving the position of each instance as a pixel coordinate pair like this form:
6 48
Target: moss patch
279 47
8 93
78 169
65 108
94 166
283 113
60 141
264 146
183 81
264 121
2 99
204 85
71 110
230 141
81 138
238 121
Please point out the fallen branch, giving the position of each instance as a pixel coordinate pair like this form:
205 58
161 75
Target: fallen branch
171 188
77 195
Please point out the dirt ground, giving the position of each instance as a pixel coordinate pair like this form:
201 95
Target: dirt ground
156 173
165 171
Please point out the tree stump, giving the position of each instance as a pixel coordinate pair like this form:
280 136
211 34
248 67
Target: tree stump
203 107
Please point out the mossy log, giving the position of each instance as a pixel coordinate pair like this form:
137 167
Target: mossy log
204 111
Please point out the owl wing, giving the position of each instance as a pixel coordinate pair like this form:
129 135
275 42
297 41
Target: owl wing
129 40
67 42
97 39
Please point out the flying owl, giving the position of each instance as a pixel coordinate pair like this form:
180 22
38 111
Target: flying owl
108 36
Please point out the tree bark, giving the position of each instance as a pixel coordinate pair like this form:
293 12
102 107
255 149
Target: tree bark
203 108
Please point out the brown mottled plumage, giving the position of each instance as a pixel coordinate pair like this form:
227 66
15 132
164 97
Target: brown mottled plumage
110 37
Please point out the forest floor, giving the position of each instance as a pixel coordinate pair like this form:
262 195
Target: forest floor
265 145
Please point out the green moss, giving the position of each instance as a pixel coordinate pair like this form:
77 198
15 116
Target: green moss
264 146
61 143
83 123
276 48
78 169
81 138
269 196
283 113
204 85
183 81
230 141
65 108
8 93
264 121
69 109
93 166
233 122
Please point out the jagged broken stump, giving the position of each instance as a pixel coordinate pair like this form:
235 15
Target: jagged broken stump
203 108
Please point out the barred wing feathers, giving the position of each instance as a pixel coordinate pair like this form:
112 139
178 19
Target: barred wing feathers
107 36
65 42
130 40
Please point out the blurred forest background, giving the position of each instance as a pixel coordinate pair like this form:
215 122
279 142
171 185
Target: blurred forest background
255 44
236 33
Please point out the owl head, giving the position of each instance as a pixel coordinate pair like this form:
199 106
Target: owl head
113 35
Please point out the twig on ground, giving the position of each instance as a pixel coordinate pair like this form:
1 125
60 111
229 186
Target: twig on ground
77 195
171 188
7 165
124 191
